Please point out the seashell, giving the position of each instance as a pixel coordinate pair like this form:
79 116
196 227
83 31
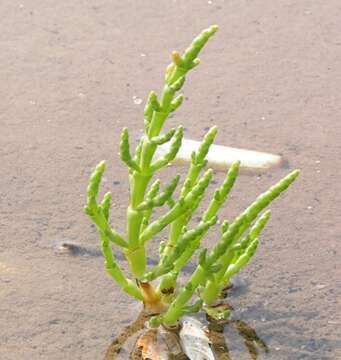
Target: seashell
148 346
171 339
158 344
221 157
194 340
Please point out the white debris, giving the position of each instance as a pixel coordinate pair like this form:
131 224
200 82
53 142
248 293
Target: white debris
320 286
194 341
137 100
222 157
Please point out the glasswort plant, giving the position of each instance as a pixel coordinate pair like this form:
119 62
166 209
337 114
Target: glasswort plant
238 241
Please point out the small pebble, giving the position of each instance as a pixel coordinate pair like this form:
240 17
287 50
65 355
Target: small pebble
65 247
317 161
137 100
309 207
143 55
320 286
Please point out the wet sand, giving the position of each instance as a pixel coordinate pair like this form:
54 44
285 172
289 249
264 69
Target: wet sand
72 75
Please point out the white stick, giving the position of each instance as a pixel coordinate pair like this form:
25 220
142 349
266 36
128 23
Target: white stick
221 157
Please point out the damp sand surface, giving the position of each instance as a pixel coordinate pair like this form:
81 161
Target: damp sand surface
73 74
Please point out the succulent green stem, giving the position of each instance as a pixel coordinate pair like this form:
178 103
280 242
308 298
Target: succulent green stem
226 259
175 310
197 164
116 273
219 199
215 268
243 221
156 112
199 277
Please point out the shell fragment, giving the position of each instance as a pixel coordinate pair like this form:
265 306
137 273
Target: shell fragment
194 341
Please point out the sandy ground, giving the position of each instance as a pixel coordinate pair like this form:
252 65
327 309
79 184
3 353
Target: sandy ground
70 71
